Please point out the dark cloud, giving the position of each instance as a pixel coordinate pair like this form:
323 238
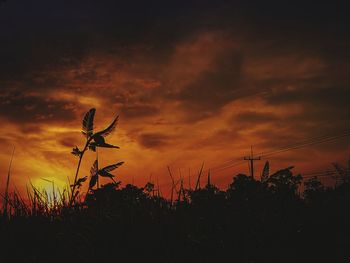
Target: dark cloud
31 128
43 37
68 141
277 137
255 117
214 87
41 34
138 111
41 40
153 140
37 36
217 140
321 105
26 109
317 95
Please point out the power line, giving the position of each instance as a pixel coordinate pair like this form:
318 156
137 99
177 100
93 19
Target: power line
324 173
305 143
321 174
326 139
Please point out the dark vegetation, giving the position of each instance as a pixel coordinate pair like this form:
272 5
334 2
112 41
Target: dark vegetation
254 220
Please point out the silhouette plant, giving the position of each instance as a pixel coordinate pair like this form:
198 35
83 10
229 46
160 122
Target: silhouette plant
342 171
265 173
93 140
95 172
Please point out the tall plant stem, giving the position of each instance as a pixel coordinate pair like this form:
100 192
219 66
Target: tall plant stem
77 171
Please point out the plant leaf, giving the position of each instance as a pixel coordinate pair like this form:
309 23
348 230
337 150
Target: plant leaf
341 170
265 172
80 181
93 181
99 139
282 171
104 145
88 123
93 174
92 147
104 173
94 168
109 129
76 151
112 167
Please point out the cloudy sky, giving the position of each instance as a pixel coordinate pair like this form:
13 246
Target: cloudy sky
192 81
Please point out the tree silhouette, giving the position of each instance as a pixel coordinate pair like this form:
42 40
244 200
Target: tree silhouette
284 182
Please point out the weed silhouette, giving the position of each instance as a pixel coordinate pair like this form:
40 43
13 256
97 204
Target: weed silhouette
93 141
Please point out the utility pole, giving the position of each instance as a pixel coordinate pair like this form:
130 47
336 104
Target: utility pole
251 160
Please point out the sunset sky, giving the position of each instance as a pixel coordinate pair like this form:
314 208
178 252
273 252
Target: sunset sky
192 82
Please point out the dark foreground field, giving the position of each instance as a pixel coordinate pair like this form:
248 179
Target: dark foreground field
252 221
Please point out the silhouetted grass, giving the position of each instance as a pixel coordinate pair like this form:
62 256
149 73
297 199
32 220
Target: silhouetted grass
251 221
